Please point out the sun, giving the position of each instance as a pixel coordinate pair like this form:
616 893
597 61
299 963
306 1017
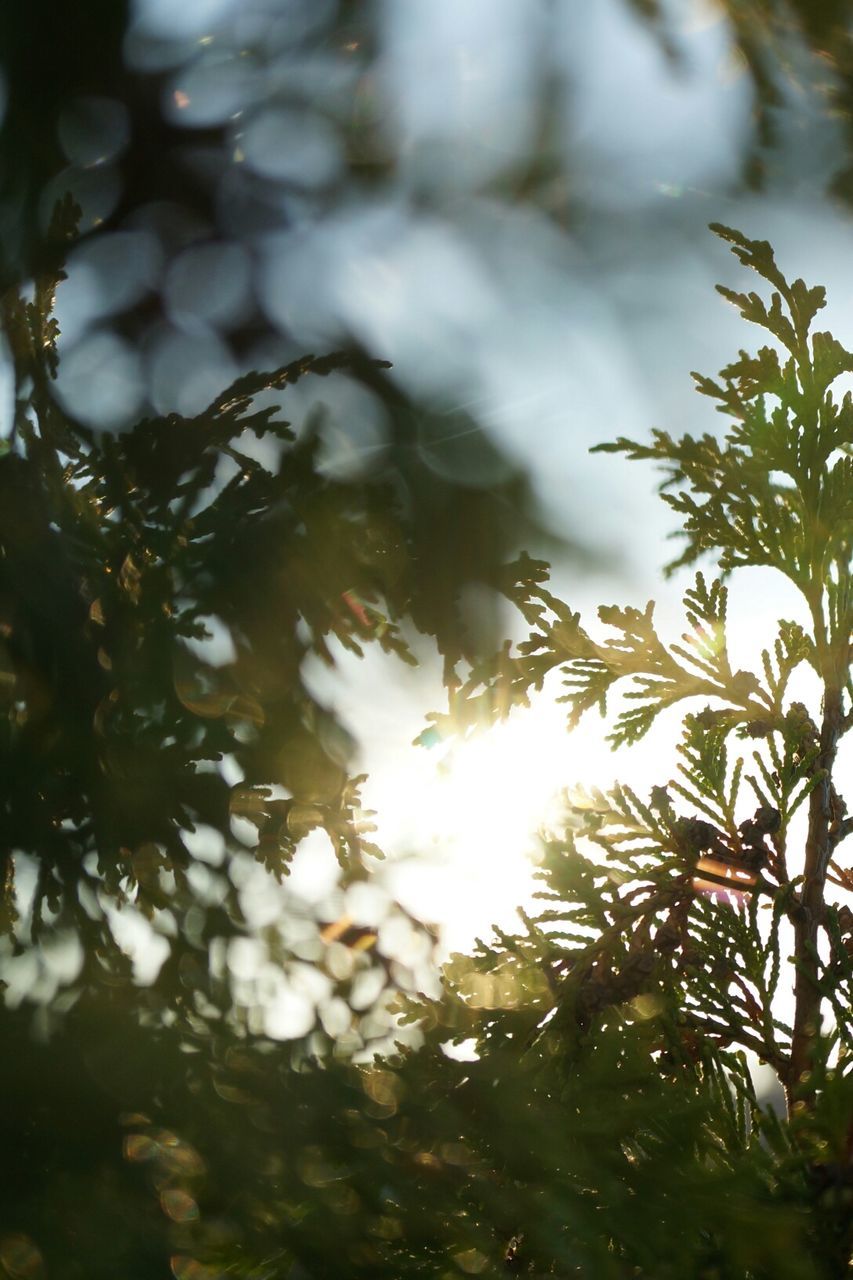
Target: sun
459 821
462 817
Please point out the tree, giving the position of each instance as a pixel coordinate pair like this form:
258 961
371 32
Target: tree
608 1124
118 556
660 948
143 777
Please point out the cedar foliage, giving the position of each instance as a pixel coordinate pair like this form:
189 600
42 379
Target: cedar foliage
116 553
609 1125
667 921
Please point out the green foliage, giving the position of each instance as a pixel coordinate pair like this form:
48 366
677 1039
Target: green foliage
115 552
607 1122
666 924
777 490
124 740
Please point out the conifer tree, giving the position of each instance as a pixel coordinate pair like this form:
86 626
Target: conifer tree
143 777
608 1123
118 553
677 921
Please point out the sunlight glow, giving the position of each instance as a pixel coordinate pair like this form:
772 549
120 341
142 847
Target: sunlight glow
459 821
469 811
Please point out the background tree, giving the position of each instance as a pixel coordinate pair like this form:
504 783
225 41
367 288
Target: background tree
144 774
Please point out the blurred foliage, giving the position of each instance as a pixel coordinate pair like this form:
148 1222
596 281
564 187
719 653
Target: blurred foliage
234 1164
768 35
122 732
147 776
40 76
779 46
783 48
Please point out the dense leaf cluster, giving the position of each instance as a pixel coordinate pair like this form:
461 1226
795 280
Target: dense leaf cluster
142 769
